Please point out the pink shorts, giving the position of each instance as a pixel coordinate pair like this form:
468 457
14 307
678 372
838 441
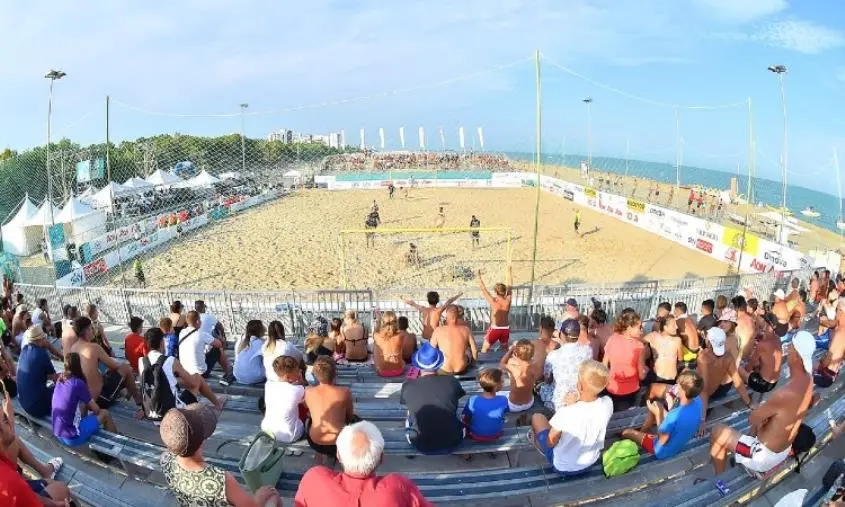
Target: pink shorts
498 334
391 373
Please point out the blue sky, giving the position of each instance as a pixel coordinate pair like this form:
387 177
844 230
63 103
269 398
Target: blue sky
439 64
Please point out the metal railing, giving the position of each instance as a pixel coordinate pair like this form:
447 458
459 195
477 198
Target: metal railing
295 309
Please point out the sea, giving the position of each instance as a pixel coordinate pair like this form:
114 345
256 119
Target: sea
766 192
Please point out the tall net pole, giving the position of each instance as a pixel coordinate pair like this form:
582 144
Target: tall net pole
750 190
537 149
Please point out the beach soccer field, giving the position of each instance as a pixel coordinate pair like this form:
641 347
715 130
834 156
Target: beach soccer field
295 243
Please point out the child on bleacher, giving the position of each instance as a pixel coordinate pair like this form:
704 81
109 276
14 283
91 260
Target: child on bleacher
484 414
284 401
71 390
171 341
518 362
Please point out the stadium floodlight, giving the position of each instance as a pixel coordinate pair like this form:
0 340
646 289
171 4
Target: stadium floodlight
53 76
589 102
780 70
244 105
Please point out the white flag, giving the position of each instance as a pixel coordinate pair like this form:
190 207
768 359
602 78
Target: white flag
481 138
342 139
422 138
461 137
381 136
363 144
442 140
402 137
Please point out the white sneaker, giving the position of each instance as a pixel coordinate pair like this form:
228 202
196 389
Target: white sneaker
56 463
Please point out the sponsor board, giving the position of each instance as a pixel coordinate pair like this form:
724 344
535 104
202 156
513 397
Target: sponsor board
704 245
636 206
568 195
732 255
707 234
590 192
95 268
734 238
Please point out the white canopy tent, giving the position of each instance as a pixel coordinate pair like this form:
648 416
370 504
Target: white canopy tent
43 217
138 184
18 239
234 175
292 177
82 223
161 178
201 180
105 197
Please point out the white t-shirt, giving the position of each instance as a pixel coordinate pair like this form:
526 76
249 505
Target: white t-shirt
168 372
38 316
282 348
583 426
563 364
207 323
192 350
249 368
282 416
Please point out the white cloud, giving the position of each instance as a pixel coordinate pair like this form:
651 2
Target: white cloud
801 36
742 10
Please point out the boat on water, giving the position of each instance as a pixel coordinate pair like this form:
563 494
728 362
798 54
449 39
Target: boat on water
811 212
840 224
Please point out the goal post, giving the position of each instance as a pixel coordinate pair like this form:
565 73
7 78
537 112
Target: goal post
421 256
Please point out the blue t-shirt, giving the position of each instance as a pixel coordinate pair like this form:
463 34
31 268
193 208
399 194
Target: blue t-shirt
487 415
34 368
171 343
681 424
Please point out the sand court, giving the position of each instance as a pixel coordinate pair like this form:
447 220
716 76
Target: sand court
294 243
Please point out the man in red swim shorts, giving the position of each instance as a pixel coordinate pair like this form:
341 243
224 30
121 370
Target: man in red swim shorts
500 307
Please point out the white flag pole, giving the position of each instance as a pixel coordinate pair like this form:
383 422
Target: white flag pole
363 143
381 136
481 138
402 137
461 138
422 138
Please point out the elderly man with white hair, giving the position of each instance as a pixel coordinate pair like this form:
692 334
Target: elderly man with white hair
360 448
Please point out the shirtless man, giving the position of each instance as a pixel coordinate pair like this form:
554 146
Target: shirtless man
441 219
688 333
746 328
68 334
544 343
814 287
762 370
104 388
782 311
775 423
831 363
330 409
456 343
600 330
727 323
500 307
718 368
430 316
518 362
409 340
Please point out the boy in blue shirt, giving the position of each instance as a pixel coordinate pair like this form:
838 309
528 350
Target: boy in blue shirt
484 414
677 422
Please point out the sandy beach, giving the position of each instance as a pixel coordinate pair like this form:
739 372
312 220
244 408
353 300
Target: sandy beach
293 243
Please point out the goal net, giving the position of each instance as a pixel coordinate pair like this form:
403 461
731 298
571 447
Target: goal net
439 257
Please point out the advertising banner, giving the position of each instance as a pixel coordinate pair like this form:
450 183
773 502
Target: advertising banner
734 238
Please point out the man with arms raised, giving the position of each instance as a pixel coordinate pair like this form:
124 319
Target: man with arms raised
457 344
762 370
831 363
430 316
105 388
774 424
500 307
718 369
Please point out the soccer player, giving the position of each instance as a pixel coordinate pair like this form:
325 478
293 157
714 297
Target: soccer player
475 223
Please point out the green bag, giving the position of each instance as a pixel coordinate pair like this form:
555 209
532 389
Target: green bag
622 456
261 463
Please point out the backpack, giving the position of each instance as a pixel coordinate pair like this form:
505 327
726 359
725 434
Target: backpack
622 456
156 396
804 441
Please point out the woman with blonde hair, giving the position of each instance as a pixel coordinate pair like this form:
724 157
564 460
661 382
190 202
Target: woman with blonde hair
387 347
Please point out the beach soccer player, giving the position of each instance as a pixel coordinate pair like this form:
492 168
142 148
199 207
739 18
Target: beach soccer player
139 273
371 223
577 220
441 219
500 307
475 223
412 257
391 189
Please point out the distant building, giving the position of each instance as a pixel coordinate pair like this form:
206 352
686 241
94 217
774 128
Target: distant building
286 136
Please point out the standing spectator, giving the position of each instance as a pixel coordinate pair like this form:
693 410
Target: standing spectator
484 414
624 356
71 391
330 408
41 316
432 426
211 326
277 346
667 351
707 319
171 340
249 366
600 330
562 366
360 448
193 481
177 317
388 347
721 304
574 437
134 347
285 412
34 371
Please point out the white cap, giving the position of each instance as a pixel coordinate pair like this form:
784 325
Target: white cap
779 294
717 339
805 345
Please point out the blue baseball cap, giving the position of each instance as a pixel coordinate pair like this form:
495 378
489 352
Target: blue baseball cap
428 358
571 328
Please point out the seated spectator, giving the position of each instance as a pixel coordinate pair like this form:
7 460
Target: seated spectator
98 334
41 316
133 345
519 365
70 391
330 408
721 304
284 401
276 346
354 338
105 387
667 352
762 370
625 358
334 336
409 340
574 437
544 343
193 481
715 364
677 418
432 426
360 448
562 366
178 318
388 347
198 350
68 334
35 369
171 341
249 364
20 323
484 414
210 325
184 386
456 342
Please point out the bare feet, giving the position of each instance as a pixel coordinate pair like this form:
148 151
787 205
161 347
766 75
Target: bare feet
221 402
